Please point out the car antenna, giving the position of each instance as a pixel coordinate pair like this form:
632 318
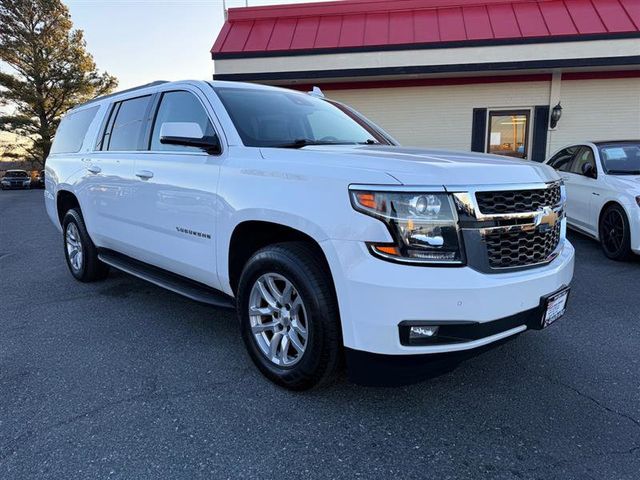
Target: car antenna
316 92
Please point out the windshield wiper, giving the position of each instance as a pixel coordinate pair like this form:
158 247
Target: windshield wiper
623 172
369 141
305 142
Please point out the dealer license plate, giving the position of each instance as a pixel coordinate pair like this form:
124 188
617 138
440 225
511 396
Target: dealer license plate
556 305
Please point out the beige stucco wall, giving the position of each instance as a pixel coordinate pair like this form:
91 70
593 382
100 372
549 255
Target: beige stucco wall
441 116
598 110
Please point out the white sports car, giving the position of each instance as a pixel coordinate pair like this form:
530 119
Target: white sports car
603 192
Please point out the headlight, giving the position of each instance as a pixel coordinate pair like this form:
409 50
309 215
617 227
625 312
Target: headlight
423 225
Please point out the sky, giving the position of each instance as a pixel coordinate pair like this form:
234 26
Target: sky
140 41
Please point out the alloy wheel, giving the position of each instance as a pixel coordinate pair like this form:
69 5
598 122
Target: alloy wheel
278 319
74 247
613 231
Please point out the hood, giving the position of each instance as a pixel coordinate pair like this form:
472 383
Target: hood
415 166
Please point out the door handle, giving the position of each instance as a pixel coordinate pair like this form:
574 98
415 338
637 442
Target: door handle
144 174
95 169
596 194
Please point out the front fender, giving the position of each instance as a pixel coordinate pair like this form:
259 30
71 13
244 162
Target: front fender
312 199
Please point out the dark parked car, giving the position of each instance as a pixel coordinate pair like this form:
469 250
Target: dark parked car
15 179
38 181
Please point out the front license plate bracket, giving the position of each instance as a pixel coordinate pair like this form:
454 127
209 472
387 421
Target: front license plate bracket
553 307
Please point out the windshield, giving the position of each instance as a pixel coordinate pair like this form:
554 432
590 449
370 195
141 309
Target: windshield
274 118
16 174
621 158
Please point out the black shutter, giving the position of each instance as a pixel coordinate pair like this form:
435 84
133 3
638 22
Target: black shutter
478 129
540 128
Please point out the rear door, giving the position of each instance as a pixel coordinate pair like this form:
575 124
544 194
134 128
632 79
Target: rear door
174 197
110 180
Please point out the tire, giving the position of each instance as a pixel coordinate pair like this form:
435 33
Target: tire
87 267
311 306
614 233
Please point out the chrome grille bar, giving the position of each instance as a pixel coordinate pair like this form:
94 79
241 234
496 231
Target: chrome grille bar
511 226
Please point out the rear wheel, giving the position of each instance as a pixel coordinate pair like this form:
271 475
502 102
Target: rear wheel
615 236
80 252
289 316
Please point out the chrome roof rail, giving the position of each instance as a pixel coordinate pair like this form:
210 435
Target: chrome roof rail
128 90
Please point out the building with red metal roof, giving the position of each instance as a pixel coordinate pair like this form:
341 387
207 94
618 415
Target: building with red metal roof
461 74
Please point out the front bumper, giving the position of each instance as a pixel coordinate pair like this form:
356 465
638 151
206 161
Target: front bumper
16 185
375 296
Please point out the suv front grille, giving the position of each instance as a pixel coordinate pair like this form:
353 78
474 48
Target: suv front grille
521 248
518 201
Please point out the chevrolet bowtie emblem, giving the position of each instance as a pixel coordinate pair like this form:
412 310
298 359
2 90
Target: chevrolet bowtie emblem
545 219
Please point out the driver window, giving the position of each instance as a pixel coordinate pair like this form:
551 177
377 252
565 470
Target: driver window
180 106
562 160
585 156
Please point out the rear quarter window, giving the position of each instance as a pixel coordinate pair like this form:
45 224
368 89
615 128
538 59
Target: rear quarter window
72 130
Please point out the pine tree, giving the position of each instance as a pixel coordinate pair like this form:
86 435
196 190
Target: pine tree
50 70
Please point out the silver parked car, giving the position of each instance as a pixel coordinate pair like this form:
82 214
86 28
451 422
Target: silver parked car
15 179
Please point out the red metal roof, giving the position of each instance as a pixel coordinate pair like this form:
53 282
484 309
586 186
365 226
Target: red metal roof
378 24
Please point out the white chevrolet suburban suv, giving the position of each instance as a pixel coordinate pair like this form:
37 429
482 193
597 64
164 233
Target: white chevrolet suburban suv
331 241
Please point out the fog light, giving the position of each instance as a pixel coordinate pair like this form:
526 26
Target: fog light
422 332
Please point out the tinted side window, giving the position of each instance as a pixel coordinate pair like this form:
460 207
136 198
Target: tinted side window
126 129
179 107
584 156
562 160
72 130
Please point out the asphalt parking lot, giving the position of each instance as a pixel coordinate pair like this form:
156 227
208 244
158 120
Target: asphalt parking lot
122 379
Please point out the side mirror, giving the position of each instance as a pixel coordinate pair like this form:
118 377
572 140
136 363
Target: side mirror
188 134
588 170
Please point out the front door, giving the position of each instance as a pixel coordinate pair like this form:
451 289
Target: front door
581 189
174 197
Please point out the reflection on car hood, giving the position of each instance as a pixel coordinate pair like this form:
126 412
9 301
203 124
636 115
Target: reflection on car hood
626 181
417 166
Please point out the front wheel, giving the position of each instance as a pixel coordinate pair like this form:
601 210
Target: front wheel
615 236
289 316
